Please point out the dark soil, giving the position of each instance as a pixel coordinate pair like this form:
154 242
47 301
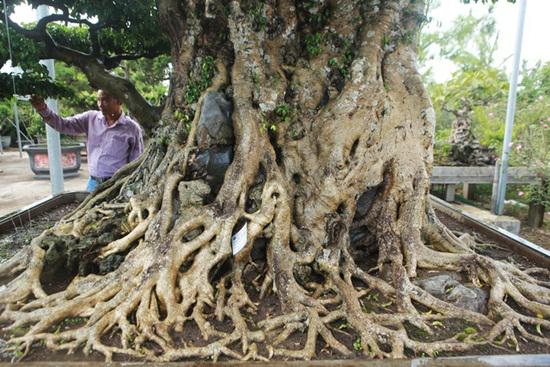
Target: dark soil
493 250
488 247
269 306
539 236
21 235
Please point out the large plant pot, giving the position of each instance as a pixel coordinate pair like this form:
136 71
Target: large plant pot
536 215
5 140
70 159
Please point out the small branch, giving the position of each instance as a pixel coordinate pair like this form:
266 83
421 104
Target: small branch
43 22
94 39
114 61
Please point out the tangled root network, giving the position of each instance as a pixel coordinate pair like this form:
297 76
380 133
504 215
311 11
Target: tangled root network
331 200
181 293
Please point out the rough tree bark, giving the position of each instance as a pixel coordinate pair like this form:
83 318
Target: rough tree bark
327 109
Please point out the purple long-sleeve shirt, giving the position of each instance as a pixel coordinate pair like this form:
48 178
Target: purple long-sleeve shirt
109 147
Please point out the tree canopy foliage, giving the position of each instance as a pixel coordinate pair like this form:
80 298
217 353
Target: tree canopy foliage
481 81
94 36
150 77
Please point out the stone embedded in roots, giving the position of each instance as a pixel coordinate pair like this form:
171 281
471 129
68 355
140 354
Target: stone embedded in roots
69 255
449 287
214 126
214 141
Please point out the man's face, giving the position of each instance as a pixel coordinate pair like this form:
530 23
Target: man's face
108 105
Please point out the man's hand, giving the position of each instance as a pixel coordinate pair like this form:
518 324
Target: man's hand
37 102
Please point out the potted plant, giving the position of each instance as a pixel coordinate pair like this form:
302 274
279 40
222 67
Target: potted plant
39 160
6 128
5 133
538 197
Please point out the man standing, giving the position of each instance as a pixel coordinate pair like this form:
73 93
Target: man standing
113 139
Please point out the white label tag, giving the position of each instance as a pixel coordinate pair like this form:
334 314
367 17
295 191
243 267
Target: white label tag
238 240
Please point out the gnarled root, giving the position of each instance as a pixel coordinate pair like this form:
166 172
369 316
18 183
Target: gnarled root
178 274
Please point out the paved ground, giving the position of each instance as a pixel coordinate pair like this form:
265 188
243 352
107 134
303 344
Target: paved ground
19 188
510 224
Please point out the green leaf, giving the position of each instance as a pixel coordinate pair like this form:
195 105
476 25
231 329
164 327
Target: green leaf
461 336
343 326
357 344
31 83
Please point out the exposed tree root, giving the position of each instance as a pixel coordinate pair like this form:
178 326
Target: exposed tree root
145 307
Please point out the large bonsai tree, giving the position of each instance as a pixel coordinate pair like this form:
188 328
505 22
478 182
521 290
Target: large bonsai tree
327 111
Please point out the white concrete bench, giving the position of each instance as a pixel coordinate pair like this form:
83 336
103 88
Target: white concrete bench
450 177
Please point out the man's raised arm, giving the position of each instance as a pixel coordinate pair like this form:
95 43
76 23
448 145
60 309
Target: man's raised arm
74 125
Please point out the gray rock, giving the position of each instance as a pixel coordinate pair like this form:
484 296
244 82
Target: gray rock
447 287
215 127
357 234
254 198
214 162
437 284
110 263
468 297
220 159
193 192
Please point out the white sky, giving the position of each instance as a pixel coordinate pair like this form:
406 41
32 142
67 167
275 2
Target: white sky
23 14
535 36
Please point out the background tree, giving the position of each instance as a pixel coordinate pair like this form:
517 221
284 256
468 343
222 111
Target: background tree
462 102
330 131
96 38
531 136
79 97
150 77
478 91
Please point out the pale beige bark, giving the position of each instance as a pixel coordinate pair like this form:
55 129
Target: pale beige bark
372 132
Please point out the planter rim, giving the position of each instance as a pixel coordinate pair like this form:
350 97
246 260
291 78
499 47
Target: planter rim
498 360
24 214
536 253
45 146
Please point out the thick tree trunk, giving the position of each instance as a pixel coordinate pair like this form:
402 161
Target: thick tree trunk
332 152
